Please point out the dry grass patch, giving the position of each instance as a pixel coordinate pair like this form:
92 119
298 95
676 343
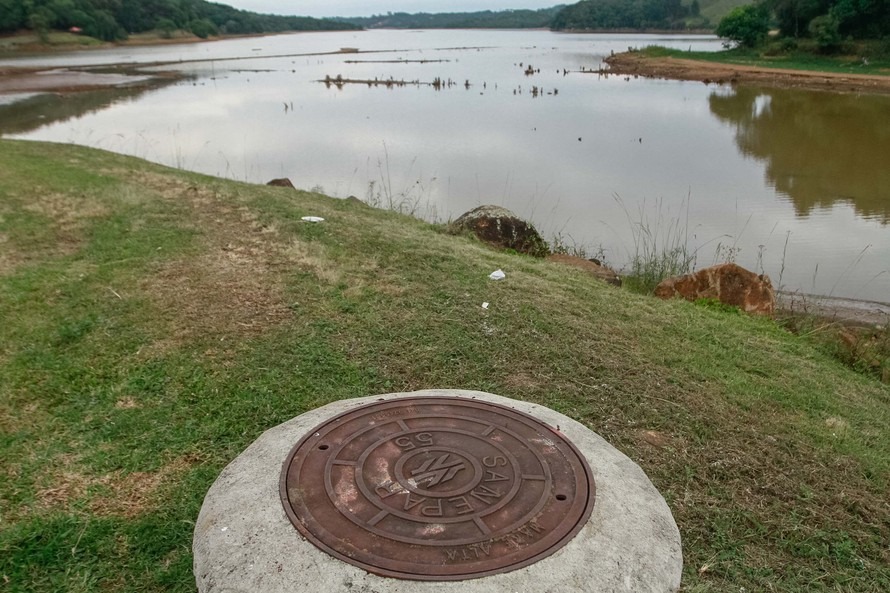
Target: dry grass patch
63 485
67 217
67 212
133 494
233 288
8 260
126 403
522 381
116 494
218 294
311 258
655 438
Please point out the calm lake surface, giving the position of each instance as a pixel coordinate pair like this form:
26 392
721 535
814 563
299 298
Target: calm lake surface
793 183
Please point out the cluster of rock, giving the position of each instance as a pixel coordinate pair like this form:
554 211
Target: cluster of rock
728 283
500 227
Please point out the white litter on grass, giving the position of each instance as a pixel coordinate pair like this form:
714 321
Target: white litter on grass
497 275
485 305
312 219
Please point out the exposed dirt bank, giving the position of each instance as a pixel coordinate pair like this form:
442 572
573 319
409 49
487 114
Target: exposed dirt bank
91 77
27 43
637 64
65 80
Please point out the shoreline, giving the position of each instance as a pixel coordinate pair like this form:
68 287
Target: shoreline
16 80
39 49
632 31
841 310
670 68
61 81
70 79
32 49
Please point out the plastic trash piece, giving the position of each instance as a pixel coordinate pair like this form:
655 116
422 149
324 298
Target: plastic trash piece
497 275
485 305
312 219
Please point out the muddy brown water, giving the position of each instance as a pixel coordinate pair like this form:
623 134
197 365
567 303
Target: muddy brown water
792 183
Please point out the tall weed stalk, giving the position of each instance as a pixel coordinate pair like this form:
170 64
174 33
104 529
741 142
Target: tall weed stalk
410 200
660 246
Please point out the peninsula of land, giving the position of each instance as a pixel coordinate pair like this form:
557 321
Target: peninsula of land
642 64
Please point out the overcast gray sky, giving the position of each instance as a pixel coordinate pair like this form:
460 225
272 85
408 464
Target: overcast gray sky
322 8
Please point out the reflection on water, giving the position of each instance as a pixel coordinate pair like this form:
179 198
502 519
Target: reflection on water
819 148
42 109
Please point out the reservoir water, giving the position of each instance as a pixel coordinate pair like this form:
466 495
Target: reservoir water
792 183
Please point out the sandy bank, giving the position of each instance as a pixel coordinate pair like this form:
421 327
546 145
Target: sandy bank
637 64
64 80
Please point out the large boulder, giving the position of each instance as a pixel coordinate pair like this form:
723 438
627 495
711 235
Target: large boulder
591 267
728 283
501 228
357 202
283 182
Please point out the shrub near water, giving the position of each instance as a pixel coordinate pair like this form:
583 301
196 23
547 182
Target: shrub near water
746 25
156 322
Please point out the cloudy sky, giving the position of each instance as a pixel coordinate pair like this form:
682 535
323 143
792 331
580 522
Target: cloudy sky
322 8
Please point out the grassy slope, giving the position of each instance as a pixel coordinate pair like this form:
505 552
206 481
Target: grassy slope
155 322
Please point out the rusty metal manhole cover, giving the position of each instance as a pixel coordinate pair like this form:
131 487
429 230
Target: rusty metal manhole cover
437 488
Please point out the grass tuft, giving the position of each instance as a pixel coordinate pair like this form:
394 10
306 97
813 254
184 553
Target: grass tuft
660 247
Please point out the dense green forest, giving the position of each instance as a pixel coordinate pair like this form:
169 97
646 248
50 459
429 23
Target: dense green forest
114 19
827 25
486 19
863 19
625 14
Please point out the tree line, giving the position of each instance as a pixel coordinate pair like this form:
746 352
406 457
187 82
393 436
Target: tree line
625 14
585 15
828 23
112 20
485 19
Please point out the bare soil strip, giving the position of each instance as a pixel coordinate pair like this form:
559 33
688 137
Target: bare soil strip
64 80
636 64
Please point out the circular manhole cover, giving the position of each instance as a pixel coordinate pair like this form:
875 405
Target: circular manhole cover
437 488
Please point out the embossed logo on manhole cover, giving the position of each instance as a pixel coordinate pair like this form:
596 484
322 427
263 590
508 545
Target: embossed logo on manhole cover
437 488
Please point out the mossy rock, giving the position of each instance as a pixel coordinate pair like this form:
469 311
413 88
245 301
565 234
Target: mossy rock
502 228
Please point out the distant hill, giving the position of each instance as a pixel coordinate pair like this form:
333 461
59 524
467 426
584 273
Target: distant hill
486 19
116 19
714 10
644 14
595 15
111 20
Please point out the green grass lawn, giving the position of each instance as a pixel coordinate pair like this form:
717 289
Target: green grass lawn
155 322
796 60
